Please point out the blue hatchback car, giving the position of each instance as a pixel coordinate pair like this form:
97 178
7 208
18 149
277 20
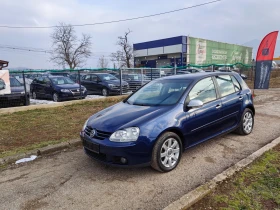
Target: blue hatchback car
157 123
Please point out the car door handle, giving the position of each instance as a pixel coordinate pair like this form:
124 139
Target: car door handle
218 106
240 98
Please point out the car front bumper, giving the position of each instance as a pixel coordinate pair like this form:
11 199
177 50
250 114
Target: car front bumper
68 96
135 153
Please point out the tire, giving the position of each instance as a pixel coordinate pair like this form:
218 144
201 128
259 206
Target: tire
164 157
34 95
247 123
56 97
105 92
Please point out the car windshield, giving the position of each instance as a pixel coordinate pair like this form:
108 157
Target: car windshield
157 93
14 82
62 81
107 77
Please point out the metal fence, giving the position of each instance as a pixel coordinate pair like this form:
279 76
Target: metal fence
97 81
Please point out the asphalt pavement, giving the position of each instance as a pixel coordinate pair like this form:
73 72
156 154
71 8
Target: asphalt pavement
71 180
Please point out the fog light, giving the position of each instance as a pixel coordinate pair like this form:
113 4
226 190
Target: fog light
123 160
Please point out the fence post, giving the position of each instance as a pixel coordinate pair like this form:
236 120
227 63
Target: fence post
142 77
120 81
25 92
80 86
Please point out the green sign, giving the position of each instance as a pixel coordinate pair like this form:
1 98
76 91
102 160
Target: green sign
201 52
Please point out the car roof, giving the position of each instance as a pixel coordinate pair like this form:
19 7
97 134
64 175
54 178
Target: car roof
197 76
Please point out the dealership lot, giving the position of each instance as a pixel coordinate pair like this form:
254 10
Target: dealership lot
71 180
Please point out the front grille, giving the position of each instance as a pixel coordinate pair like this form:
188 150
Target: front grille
101 135
100 156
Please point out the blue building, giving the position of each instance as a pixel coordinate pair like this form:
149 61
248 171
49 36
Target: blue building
163 52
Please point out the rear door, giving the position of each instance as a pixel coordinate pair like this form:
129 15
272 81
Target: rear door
204 122
47 88
86 81
232 100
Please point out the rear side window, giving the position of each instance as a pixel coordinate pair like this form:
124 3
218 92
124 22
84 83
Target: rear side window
204 91
236 84
225 84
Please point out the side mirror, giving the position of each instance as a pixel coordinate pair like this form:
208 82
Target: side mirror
193 104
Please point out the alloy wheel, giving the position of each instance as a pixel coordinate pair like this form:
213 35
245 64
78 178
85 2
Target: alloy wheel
170 152
104 92
248 122
34 95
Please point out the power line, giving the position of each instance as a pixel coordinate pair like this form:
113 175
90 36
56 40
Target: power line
113 21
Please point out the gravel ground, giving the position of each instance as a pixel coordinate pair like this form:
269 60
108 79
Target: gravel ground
71 180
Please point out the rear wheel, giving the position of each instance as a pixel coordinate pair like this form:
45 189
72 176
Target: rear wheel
56 97
34 95
105 92
167 152
247 123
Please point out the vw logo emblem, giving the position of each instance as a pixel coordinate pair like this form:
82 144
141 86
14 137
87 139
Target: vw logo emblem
92 133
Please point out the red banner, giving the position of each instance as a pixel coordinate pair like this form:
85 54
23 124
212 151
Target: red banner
264 60
267 47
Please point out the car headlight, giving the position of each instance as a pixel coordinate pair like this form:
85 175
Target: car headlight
85 125
125 135
111 85
65 90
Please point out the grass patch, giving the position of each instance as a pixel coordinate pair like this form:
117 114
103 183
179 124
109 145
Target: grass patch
256 187
32 129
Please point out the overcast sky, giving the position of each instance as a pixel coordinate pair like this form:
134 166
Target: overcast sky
232 21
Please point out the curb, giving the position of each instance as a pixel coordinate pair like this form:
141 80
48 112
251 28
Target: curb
200 192
41 151
59 104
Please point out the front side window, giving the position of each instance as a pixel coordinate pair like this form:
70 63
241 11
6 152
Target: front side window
157 93
107 77
225 84
204 91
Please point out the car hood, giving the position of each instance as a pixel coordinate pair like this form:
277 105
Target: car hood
69 86
123 115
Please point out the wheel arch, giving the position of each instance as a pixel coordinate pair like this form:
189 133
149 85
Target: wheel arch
176 131
252 108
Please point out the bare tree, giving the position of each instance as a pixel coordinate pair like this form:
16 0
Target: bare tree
124 56
67 48
103 62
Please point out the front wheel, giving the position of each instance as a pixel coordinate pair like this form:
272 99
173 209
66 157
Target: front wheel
167 152
247 123
34 95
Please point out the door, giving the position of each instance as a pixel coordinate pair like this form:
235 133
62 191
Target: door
232 100
86 81
47 88
39 87
204 122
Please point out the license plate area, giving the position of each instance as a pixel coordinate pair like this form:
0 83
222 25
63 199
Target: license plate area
91 146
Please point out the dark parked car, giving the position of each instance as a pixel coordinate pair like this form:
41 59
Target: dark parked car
57 88
135 81
103 83
159 121
2 84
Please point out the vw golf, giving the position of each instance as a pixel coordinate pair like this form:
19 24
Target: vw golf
157 123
